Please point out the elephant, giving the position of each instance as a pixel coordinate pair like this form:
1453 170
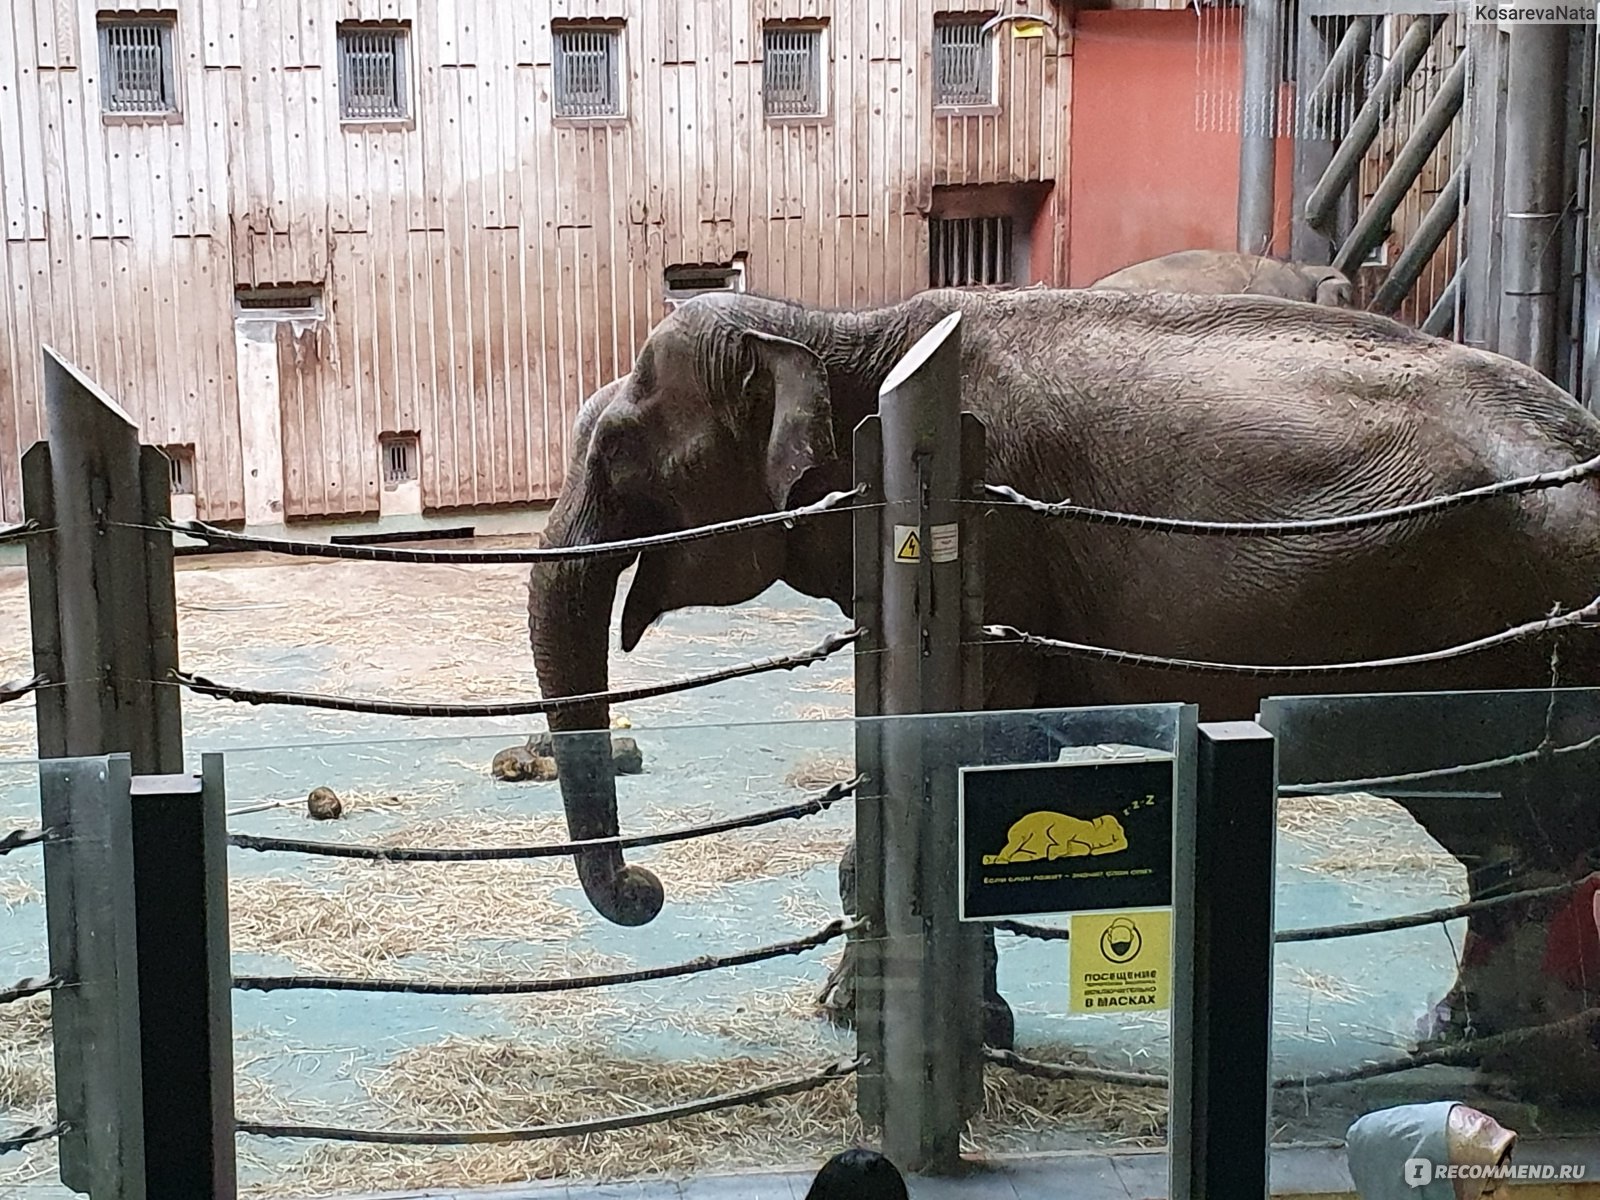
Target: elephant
1053 835
1223 407
1216 272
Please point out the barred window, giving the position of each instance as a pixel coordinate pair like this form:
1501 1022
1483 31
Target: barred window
969 252
963 62
372 73
181 461
402 458
588 81
136 73
791 71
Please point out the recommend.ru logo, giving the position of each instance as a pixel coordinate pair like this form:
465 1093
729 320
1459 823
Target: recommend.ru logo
1420 1172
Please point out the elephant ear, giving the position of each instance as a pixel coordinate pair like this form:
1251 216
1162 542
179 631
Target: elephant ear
1333 288
787 383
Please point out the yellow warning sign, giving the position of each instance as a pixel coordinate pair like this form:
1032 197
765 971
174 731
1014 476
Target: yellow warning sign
1027 29
907 544
1121 962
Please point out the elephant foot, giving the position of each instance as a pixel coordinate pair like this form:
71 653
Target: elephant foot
837 999
999 1026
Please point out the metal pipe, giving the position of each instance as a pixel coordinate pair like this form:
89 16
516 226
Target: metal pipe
1374 223
1534 173
1419 251
1258 133
1347 160
1348 55
932 962
1441 318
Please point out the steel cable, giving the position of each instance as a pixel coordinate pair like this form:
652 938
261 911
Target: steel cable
16 689
1319 525
757 1095
24 988
1323 933
534 987
1006 635
22 532
1464 1053
18 838
828 647
24 1138
1337 786
805 808
833 502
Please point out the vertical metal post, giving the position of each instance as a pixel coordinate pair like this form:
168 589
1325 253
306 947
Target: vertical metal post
89 915
1258 133
932 962
185 979
1223 916
111 626
1481 235
1535 170
867 615
1315 133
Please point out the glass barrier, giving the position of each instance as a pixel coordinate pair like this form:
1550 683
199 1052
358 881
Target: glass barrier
1392 805
414 1061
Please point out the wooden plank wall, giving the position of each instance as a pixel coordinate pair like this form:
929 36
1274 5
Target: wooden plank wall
485 267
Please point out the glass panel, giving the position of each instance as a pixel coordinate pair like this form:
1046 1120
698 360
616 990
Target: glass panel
1378 819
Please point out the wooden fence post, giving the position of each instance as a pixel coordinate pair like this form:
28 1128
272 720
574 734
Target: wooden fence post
105 622
930 963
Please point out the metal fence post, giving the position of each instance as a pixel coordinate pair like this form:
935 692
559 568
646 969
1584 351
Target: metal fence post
89 915
1258 132
180 855
1223 905
931 961
101 586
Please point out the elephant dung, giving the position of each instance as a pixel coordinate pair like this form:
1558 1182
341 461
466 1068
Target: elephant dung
517 763
324 805
626 756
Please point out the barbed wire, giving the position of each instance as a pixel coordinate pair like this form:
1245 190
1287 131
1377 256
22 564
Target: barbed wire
1335 786
1322 933
24 988
24 1138
834 501
1314 526
1006 635
533 987
19 533
808 807
828 647
740 1099
16 689
1463 1053
18 838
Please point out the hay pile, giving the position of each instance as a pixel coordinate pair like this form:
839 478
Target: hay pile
27 1087
1360 834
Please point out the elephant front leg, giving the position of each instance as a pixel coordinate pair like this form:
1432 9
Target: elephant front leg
838 995
1529 969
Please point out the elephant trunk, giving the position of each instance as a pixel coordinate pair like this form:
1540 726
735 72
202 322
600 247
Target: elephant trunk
569 619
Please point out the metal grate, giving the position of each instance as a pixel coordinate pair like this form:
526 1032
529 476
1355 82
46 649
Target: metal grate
181 459
586 75
969 252
791 72
136 66
372 74
402 455
691 279
963 56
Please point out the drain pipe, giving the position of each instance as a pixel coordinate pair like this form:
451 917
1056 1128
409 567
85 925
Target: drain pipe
1258 126
1530 230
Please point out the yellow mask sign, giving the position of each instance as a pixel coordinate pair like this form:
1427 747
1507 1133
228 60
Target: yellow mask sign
1121 962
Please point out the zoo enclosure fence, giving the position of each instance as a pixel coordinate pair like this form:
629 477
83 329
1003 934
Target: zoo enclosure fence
118 809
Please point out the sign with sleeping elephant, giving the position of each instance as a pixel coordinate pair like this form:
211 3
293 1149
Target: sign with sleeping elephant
1082 835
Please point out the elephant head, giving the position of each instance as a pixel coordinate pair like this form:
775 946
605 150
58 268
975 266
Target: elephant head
1333 287
734 407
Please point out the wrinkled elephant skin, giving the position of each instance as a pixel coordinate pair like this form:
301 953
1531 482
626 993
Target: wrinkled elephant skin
1227 407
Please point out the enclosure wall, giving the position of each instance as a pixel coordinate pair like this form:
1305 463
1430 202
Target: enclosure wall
483 264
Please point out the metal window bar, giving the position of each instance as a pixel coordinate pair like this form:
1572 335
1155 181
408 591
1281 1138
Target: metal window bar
586 76
371 74
399 461
969 252
181 459
136 67
791 73
962 62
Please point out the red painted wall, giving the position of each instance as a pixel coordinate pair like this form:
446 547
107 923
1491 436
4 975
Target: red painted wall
1145 179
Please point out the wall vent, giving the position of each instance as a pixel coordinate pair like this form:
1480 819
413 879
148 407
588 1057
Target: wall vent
278 302
402 458
182 460
136 75
684 280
